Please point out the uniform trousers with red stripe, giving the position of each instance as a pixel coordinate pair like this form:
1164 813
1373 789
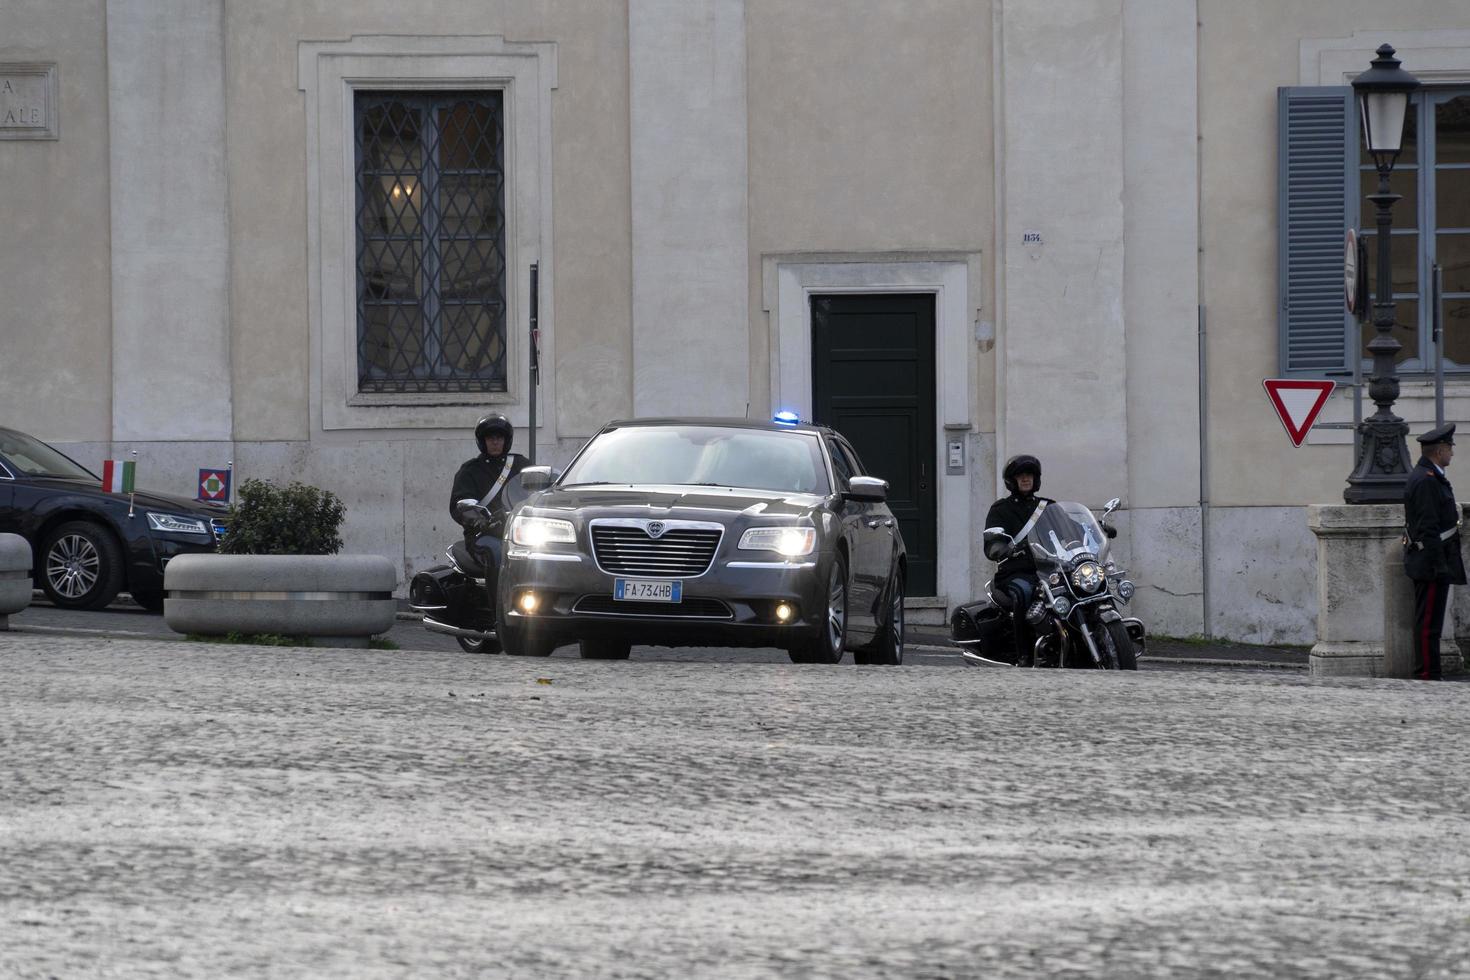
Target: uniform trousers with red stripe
1429 605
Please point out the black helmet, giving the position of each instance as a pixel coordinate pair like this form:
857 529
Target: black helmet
490 424
1017 465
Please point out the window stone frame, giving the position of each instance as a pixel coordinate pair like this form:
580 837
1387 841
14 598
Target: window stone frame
330 73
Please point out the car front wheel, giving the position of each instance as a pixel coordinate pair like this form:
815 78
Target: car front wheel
520 642
601 648
831 639
81 566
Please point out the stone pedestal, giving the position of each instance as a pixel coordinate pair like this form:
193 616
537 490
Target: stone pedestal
1365 602
15 576
339 600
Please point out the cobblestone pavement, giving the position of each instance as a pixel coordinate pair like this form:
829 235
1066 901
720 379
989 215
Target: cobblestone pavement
928 645
173 809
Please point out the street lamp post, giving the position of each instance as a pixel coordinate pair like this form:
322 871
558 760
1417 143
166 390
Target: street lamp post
1383 452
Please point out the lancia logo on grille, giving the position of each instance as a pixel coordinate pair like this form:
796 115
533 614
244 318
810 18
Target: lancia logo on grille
655 529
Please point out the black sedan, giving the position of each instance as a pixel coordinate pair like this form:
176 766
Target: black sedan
706 532
89 544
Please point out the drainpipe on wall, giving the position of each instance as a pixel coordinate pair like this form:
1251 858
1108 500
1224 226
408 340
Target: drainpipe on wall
1204 481
1204 395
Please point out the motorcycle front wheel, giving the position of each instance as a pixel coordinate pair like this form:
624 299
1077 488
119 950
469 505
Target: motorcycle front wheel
1118 647
483 645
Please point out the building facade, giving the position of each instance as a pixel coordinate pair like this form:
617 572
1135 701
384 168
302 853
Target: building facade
300 236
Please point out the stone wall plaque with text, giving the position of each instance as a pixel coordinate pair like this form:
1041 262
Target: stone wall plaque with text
28 109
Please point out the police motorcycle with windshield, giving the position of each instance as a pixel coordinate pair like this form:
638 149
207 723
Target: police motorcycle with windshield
1075 615
458 598
707 532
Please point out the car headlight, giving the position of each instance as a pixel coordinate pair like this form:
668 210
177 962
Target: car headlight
789 542
1088 577
173 524
533 532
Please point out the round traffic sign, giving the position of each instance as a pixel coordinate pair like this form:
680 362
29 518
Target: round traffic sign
1350 270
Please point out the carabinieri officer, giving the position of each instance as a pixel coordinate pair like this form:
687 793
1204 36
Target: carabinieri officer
1432 557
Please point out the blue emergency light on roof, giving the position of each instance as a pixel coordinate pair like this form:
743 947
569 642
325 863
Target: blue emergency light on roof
786 418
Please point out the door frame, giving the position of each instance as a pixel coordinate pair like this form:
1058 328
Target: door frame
788 284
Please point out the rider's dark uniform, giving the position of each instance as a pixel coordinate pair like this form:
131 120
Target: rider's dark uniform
1432 556
476 477
474 480
1016 575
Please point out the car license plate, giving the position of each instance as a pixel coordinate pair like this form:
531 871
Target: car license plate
648 590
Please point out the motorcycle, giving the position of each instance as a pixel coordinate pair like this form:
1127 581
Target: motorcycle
1075 613
458 599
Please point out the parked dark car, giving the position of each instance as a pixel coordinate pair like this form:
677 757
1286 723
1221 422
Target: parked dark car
87 548
706 532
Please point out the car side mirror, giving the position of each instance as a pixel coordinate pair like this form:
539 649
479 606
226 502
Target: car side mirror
998 543
867 488
535 478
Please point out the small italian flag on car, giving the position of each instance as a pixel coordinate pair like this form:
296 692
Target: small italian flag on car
117 476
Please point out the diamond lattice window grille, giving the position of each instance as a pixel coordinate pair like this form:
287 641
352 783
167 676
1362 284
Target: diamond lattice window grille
430 242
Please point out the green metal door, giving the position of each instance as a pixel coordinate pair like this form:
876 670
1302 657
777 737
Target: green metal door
873 381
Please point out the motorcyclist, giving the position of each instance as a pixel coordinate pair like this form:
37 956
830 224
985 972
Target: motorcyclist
477 477
1016 576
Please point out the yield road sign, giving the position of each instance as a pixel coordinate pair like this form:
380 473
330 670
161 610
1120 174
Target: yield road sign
1297 403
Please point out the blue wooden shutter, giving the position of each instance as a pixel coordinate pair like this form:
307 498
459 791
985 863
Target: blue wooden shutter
1318 203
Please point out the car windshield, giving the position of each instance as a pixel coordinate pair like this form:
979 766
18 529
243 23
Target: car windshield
1065 530
703 455
34 458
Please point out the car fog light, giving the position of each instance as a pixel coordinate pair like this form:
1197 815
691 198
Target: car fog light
785 612
528 602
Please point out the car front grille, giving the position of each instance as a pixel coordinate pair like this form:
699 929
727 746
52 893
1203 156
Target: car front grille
681 552
693 607
219 527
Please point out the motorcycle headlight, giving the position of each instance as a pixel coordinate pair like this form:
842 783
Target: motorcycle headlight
1125 590
1061 605
173 524
1088 577
533 532
789 542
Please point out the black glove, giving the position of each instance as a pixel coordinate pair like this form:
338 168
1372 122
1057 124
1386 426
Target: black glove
477 524
1109 530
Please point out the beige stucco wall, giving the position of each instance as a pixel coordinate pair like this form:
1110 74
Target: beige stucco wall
267 136
1247 49
55 306
870 130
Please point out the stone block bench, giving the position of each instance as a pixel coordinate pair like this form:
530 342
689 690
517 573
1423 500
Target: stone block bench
15 576
337 600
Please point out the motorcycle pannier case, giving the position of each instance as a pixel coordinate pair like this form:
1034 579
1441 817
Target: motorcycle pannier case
429 590
984 629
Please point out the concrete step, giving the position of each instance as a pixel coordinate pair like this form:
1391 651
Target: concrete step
926 610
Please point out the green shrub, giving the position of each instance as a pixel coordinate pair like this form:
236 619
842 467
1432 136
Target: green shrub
291 520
